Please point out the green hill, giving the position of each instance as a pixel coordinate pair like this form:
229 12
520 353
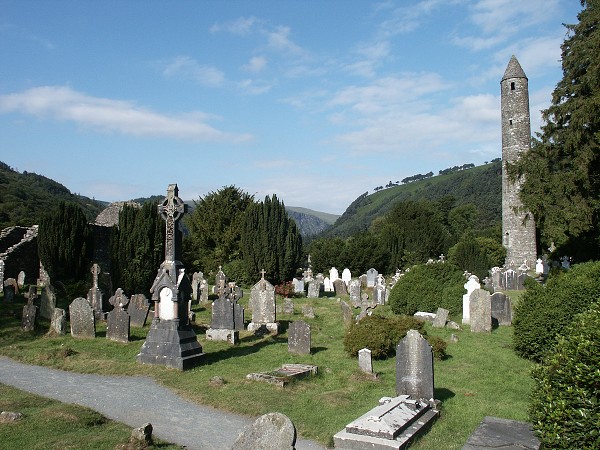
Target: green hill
481 186
26 196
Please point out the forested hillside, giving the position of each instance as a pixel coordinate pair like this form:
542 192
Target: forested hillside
480 186
26 196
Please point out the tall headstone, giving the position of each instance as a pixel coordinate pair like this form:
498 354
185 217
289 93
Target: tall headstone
380 291
501 309
29 319
58 322
346 276
518 225
47 302
314 288
347 313
365 361
355 292
414 367
94 295
138 310
197 279
340 287
333 274
262 303
298 286
222 326
371 277
470 286
480 310
299 338
171 340
81 316
118 324
220 282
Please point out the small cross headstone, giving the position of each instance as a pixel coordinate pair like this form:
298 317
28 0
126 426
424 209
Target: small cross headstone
480 311
47 302
299 338
58 322
365 361
138 310
441 317
414 367
83 324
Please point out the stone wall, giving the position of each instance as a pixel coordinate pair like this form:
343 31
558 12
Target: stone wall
20 253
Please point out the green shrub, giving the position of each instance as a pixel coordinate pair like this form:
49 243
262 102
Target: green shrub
544 311
382 334
428 287
564 407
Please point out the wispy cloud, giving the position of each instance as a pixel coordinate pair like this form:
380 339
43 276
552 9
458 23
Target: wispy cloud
405 19
241 26
188 68
115 116
256 64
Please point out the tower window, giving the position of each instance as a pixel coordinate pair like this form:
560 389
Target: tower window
512 86
510 122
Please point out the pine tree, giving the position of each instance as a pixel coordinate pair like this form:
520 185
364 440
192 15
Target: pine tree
562 172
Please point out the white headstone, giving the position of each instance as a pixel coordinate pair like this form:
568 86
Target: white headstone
346 276
470 286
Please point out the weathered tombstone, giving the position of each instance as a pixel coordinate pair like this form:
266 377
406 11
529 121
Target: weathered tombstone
81 316
44 278
363 281
380 294
347 313
273 431
197 279
308 311
138 310
298 286
365 361
47 302
117 324
497 433
340 287
262 303
346 276
220 282
9 291
299 338
31 294
441 317
222 326
414 367
470 286
480 311
288 306
203 291
119 299
21 279
501 309
94 295
238 317
371 277
334 274
58 322
29 318
355 292
314 289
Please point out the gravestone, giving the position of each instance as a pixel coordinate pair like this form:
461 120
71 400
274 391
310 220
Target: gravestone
203 291
470 286
346 276
94 295
365 361
21 279
47 302
363 281
171 340
480 311
238 317
1 275
340 287
496 433
273 431
288 306
81 316
299 338
308 311
414 367
347 313
9 291
441 317
355 292
327 285
29 318
380 291
314 289
222 326
197 279
262 303
298 286
220 282
32 294
117 324
371 277
334 274
138 310
58 322
501 309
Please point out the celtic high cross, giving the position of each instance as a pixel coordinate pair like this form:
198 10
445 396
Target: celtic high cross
171 210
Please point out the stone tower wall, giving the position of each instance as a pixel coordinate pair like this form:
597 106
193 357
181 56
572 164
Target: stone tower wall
518 226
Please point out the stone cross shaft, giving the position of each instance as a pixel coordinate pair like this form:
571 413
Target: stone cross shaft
95 272
171 209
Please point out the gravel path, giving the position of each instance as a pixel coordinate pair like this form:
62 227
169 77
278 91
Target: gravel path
135 401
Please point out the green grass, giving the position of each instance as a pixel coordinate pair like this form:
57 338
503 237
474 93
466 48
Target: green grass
481 376
48 424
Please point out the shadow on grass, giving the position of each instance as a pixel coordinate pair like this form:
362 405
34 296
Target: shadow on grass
236 351
315 350
442 394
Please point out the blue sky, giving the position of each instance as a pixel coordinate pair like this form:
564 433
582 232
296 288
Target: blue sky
314 101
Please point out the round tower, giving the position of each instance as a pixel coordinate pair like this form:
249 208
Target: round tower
518 226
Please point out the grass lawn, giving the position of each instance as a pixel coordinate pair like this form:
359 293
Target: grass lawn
481 375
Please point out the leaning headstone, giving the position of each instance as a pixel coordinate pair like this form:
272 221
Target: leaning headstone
81 315
347 313
29 316
299 338
414 367
355 293
47 302
58 322
365 361
470 286
117 325
340 287
273 431
441 317
288 306
138 310
21 279
480 311
371 277
501 309
262 303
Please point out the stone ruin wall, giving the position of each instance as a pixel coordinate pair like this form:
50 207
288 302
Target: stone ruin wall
19 251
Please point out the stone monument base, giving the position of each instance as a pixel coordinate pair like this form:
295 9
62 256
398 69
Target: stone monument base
272 327
169 344
217 334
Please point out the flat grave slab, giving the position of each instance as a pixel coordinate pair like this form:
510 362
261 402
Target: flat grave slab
285 374
505 434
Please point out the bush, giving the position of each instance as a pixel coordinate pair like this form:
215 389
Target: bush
545 311
382 334
428 287
564 407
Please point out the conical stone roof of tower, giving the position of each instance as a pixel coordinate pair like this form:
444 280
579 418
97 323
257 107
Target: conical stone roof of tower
514 69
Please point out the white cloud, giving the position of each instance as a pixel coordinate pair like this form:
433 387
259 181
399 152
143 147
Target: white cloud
188 68
256 64
254 88
241 26
107 115
406 19
278 39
